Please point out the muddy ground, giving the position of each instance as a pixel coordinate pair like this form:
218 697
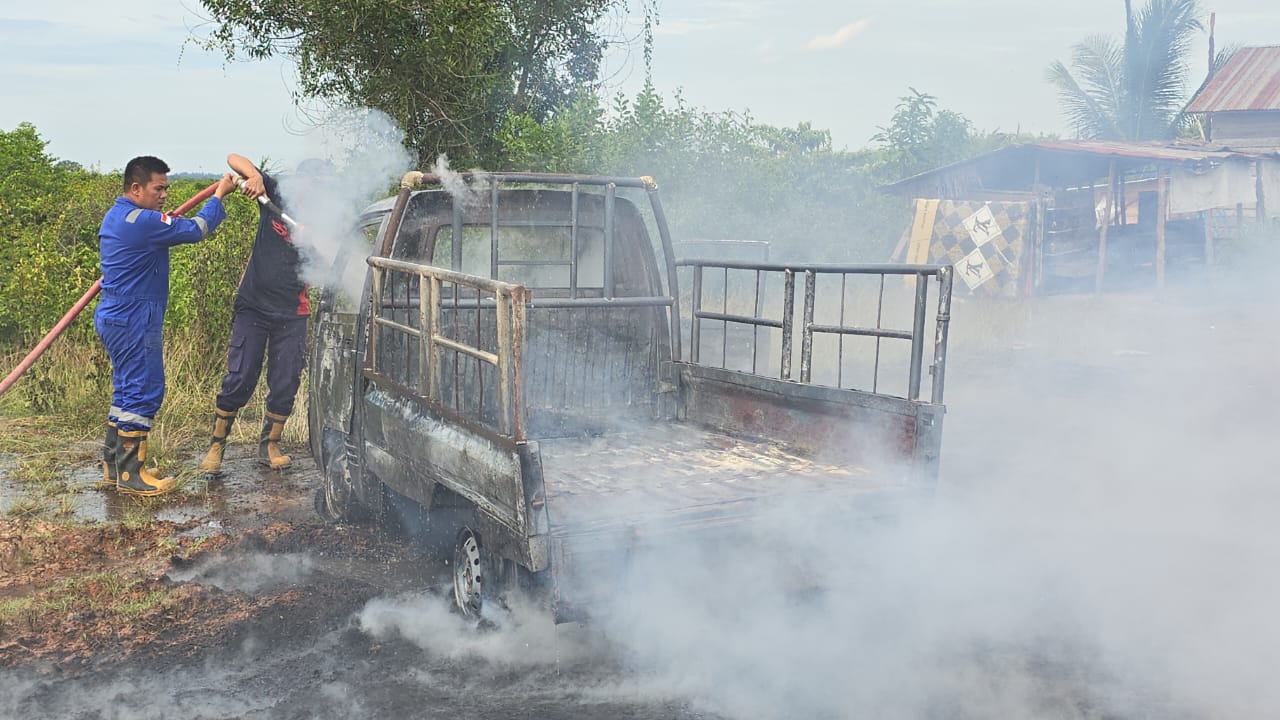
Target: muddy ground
238 601
1084 432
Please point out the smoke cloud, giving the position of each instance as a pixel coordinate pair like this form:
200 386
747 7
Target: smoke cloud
469 194
366 147
1101 544
527 636
251 573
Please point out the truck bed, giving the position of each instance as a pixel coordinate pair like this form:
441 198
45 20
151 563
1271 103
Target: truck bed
682 474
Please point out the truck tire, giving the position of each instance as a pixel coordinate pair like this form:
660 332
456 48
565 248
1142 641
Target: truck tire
482 579
335 499
468 574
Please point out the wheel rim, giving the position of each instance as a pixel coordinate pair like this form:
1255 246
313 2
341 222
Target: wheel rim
467 576
335 488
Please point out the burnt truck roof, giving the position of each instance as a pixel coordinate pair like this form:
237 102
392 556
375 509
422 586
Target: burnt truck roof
380 207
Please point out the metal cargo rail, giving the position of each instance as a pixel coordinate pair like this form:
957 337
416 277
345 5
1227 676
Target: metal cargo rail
806 326
424 377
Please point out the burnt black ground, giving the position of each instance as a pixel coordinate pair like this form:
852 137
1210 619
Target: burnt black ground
303 653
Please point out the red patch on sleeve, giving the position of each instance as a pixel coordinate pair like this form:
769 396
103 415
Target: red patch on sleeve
165 218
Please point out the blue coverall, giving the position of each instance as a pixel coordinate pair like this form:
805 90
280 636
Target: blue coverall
134 244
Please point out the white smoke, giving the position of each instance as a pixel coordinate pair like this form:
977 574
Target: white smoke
526 637
250 574
367 150
468 193
1102 544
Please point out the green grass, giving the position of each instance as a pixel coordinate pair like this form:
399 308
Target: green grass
136 607
105 592
12 611
53 420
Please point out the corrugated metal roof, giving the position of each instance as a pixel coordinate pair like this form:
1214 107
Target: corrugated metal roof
1250 80
1141 150
1140 153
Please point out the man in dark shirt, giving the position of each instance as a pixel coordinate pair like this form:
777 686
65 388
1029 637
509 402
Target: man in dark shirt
270 320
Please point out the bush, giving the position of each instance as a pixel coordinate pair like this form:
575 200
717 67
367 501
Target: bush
50 213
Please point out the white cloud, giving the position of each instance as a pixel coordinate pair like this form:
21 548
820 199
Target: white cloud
840 36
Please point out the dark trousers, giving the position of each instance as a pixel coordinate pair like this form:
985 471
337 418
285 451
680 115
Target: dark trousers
282 341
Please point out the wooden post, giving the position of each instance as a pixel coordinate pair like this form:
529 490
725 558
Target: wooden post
1162 200
1106 222
1035 253
1260 211
1122 201
1036 275
1209 232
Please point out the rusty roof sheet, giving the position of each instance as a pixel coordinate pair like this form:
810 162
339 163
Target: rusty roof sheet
1157 150
1250 80
1139 153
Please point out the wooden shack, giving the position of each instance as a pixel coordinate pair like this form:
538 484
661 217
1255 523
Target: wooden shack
1080 215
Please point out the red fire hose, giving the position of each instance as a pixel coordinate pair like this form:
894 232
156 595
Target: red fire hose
84 300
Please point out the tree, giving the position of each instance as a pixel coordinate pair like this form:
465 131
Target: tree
448 71
920 137
28 177
1135 90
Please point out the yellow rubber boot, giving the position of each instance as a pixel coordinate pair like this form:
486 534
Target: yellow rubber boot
133 478
109 456
222 421
269 453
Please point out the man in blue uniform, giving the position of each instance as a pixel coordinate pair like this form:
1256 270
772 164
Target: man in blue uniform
134 243
270 319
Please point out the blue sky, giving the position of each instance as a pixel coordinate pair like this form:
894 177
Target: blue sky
103 81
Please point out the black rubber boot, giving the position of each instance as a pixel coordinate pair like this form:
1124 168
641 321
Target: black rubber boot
109 456
133 478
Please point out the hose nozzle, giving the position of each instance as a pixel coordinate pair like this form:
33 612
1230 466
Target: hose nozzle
267 203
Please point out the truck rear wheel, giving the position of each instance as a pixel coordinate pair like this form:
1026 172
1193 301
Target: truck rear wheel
468 574
483 579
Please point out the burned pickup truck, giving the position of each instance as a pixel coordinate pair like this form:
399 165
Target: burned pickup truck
532 367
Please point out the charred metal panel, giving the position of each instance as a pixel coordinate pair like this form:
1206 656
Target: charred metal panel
928 448
589 368
529 546
419 448
846 425
535 494
583 369
334 370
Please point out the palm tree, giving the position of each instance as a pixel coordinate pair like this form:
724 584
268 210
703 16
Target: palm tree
1134 91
